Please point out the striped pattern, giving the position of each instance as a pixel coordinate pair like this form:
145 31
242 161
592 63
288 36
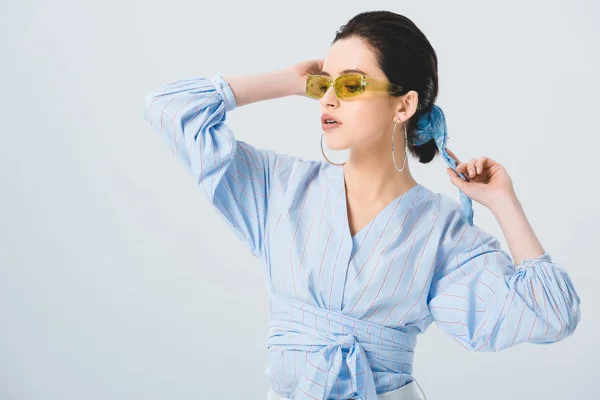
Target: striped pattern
346 309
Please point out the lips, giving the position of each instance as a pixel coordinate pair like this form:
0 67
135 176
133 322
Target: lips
329 122
329 117
328 127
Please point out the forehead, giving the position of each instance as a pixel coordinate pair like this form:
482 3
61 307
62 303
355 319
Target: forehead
351 54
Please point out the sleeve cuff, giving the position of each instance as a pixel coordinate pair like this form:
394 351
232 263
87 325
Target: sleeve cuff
224 90
528 262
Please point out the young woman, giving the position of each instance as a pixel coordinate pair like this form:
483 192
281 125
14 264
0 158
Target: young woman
360 258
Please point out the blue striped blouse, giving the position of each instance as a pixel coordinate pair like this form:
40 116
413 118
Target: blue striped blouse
346 309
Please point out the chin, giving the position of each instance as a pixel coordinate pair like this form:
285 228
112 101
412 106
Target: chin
332 140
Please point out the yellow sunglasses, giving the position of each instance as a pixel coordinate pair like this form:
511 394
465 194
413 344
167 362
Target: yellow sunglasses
347 86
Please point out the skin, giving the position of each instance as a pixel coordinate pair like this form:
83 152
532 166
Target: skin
370 176
371 179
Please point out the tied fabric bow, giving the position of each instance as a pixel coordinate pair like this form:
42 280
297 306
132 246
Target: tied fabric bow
432 125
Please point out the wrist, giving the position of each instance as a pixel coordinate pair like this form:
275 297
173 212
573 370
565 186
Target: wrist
506 204
291 83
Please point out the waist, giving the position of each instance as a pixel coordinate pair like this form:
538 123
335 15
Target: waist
295 324
322 351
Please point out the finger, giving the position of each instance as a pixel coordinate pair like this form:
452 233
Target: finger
472 168
462 168
319 66
456 179
488 162
479 164
451 153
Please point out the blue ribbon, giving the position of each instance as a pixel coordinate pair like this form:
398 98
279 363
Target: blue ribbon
432 125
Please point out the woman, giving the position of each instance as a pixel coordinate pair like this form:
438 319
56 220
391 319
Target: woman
360 258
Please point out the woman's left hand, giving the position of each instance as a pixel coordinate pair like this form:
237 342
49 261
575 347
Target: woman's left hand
487 182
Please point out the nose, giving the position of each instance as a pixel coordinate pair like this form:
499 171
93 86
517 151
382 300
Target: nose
329 98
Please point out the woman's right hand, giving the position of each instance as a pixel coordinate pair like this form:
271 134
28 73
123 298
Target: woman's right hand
302 70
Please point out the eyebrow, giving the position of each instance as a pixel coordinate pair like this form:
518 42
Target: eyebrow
346 71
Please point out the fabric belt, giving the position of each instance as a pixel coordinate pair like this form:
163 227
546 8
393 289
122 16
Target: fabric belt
331 339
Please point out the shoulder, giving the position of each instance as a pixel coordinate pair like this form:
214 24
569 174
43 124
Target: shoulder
450 209
274 163
457 236
291 176
452 229
302 172
447 210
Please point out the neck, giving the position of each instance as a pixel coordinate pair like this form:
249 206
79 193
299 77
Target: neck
372 176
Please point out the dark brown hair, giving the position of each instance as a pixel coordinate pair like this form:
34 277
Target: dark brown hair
406 58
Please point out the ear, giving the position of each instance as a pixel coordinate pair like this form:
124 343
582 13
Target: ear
407 105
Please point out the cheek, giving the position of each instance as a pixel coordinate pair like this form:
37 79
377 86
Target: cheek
369 120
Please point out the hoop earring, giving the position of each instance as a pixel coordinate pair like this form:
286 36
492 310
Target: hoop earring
323 152
405 143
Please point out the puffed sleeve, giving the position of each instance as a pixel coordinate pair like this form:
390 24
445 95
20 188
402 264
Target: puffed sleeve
189 116
487 303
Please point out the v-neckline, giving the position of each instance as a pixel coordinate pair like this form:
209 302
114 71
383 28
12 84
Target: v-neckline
372 220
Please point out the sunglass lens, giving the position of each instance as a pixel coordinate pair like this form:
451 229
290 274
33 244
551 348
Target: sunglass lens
316 86
348 86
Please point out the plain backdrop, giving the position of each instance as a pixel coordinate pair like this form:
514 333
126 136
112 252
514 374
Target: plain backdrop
119 281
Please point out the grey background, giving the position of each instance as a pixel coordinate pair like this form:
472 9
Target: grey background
118 281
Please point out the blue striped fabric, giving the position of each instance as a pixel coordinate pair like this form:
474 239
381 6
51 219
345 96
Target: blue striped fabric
346 309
